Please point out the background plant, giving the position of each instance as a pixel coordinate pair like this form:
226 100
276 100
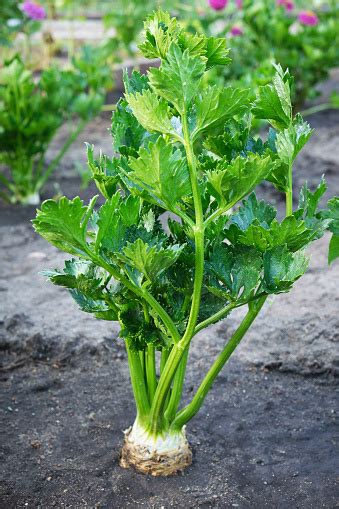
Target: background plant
264 31
184 147
127 20
14 19
31 112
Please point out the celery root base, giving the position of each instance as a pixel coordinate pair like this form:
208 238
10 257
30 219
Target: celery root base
158 456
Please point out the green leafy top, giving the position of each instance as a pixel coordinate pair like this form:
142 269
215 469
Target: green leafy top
161 31
164 255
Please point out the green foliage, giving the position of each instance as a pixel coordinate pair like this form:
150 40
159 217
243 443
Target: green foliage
291 140
237 271
162 31
282 268
152 112
178 79
12 21
104 172
127 133
255 225
150 261
215 106
127 20
309 201
274 100
32 112
63 224
230 182
152 171
253 211
92 71
333 252
162 172
164 254
271 33
89 286
332 214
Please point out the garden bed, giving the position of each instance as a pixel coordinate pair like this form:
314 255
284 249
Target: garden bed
269 443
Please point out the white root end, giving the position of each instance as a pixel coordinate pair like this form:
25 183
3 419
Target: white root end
160 455
32 199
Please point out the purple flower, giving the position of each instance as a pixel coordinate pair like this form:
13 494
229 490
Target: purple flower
33 10
308 18
218 5
236 30
238 3
287 4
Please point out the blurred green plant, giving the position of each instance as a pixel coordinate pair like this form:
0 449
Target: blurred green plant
267 31
31 113
90 65
127 19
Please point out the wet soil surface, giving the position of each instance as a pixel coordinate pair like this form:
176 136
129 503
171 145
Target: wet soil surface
266 435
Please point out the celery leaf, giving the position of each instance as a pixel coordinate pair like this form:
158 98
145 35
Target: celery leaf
178 79
162 172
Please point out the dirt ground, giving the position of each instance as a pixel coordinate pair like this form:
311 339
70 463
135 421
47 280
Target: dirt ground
266 436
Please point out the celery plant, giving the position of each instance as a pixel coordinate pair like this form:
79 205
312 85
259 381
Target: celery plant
183 147
31 113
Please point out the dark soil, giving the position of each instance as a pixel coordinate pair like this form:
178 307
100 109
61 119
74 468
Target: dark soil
262 440
266 435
